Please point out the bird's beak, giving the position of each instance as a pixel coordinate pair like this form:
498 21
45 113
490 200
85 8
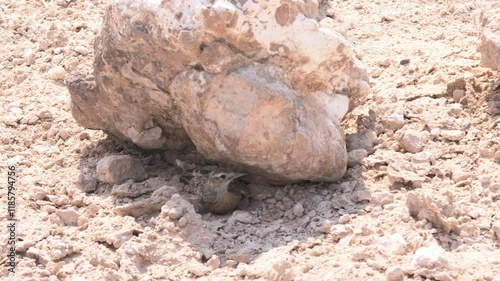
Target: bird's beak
236 176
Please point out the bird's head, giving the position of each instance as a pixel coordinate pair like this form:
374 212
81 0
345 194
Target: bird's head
223 179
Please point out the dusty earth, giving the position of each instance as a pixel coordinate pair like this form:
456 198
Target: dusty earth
423 205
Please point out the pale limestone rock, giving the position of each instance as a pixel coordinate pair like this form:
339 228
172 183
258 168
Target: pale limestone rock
430 257
412 141
488 28
433 208
261 86
394 244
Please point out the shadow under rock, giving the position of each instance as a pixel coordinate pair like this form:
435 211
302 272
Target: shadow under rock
273 216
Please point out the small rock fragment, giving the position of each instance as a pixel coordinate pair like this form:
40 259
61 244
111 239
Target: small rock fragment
458 94
345 219
412 142
298 210
81 50
459 176
430 257
29 57
453 135
394 273
57 73
361 195
116 169
495 229
355 157
325 227
69 217
395 121
64 134
243 217
394 244
383 199
366 140
213 262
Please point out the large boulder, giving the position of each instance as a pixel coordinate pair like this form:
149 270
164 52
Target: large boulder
258 85
487 17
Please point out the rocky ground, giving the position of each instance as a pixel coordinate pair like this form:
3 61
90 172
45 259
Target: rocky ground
422 205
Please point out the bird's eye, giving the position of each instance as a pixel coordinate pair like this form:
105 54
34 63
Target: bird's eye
223 176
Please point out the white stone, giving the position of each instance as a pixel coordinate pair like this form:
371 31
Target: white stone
430 257
345 219
57 73
496 230
355 157
394 273
412 141
394 244
81 50
453 135
298 210
395 121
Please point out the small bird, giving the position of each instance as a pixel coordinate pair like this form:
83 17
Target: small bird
213 193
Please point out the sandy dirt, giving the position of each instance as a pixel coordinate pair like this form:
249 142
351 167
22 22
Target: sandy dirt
423 205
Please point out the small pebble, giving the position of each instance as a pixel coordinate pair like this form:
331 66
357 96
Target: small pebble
81 50
345 219
298 210
430 257
453 135
394 273
458 94
57 73
412 141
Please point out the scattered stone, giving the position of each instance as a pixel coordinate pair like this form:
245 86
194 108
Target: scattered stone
45 114
487 24
64 133
298 210
213 262
453 135
361 195
412 141
116 169
365 139
198 269
325 227
495 229
430 257
81 50
345 219
423 205
394 244
68 216
29 57
404 62
243 217
458 94
394 121
57 73
405 172
87 183
459 175
114 231
458 84
394 273
355 157
383 199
